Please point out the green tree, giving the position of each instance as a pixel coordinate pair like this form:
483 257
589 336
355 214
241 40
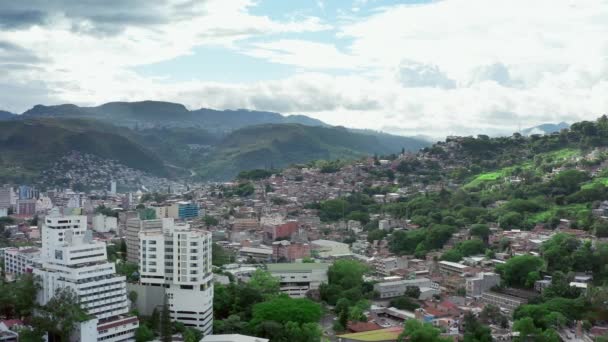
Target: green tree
264 283
412 292
61 314
521 271
143 334
284 309
416 331
481 231
166 329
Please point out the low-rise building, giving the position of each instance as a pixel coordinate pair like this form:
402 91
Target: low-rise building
328 248
290 251
298 278
20 260
481 283
385 266
503 300
452 268
398 288
233 338
257 254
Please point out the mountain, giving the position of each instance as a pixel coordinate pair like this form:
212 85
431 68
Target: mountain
149 114
29 146
547 128
279 145
4 115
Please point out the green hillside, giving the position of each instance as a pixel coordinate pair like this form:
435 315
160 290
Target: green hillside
266 146
29 146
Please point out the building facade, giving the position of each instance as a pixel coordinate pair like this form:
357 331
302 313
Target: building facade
299 278
481 283
70 258
178 258
20 260
133 227
397 288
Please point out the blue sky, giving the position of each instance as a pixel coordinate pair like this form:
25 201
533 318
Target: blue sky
405 67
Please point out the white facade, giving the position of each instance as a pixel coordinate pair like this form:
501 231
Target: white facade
179 258
70 258
104 224
397 288
3 212
297 279
20 260
384 266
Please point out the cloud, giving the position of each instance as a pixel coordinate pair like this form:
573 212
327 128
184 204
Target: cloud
444 67
413 74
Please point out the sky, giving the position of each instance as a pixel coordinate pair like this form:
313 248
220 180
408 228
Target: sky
413 67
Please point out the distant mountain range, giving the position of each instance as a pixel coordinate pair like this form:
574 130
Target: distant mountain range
146 114
547 128
167 139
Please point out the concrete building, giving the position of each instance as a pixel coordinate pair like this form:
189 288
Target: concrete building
104 224
481 283
3 212
397 288
328 248
503 300
177 258
452 268
285 231
134 226
26 207
70 258
385 266
20 260
113 187
256 254
6 197
290 251
298 278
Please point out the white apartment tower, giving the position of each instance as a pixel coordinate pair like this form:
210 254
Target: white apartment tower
178 258
70 258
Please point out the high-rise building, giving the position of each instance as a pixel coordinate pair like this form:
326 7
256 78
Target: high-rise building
113 187
6 197
134 226
178 258
70 258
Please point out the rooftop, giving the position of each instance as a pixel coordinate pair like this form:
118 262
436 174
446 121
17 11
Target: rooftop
232 338
297 267
388 334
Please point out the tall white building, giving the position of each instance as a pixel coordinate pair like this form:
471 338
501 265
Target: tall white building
178 258
70 258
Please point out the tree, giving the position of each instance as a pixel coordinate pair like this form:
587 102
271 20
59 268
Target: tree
412 292
404 303
232 324
219 255
133 296
481 231
61 314
521 271
416 331
210 220
265 283
491 314
143 334
284 309
510 220
166 333
475 331
526 328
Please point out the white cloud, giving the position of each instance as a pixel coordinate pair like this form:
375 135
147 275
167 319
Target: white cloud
447 67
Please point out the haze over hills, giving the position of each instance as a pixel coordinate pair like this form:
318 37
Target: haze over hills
546 128
4 115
